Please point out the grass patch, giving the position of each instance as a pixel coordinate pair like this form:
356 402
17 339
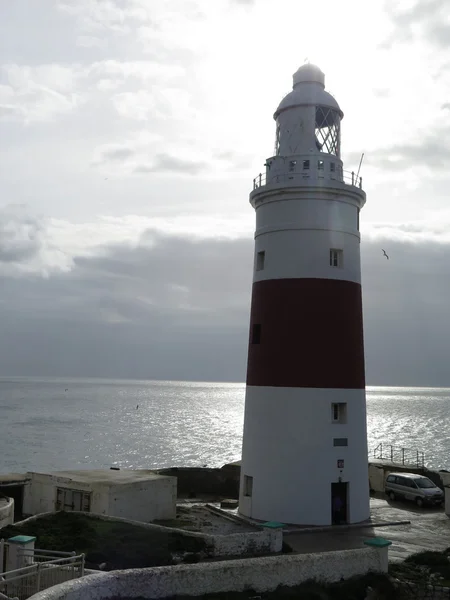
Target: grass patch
120 545
352 589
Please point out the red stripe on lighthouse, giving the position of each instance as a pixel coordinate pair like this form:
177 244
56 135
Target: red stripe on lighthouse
310 334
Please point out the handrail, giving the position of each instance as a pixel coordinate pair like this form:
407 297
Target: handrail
399 455
347 177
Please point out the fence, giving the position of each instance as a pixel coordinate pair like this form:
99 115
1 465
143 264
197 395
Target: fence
399 455
348 177
46 569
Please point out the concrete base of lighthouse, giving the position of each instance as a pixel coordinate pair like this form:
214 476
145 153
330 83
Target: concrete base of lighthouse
288 474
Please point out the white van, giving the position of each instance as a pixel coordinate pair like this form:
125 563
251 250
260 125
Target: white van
410 486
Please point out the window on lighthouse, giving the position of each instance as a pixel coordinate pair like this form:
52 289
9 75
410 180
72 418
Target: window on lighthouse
339 412
248 485
336 258
256 333
260 259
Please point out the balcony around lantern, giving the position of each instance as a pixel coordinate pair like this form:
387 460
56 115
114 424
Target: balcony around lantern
347 177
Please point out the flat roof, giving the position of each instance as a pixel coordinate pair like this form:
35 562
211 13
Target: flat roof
120 477
13 478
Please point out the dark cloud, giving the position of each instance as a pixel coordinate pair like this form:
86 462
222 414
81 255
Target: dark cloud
173 307
432 151
21 236
166 162
119 153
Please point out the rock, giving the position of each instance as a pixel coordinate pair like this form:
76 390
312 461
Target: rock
229 503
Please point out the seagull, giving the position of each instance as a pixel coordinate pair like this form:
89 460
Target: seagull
384 252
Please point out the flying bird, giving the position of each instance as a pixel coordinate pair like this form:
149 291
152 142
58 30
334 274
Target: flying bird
384 252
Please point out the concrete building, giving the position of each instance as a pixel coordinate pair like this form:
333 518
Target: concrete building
304 457
139 495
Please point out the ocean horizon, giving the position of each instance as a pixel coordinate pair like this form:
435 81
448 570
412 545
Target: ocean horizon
74 423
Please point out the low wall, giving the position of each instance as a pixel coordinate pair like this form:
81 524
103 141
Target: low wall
256 574
6 511
264 541
195 482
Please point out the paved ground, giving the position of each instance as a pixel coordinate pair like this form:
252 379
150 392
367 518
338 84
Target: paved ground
429 530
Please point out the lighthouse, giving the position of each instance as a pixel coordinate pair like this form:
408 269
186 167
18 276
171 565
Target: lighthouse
304 454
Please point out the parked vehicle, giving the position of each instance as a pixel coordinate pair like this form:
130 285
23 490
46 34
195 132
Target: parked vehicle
417 488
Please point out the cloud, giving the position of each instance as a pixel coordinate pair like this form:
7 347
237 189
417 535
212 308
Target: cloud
167 163
102 15
25 245
114 153
422 19
147 304
44 92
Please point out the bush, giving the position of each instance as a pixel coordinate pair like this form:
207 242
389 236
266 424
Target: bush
428 558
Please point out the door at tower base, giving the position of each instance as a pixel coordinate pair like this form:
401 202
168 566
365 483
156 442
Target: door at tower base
288 472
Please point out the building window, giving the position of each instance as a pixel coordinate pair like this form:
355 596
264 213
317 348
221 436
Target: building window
260 259
306 165
332 167
256 333
248 485
320 165
340 442
339 412
292 165
336 258
357 220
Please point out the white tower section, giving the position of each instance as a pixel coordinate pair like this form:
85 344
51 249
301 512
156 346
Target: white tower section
304 457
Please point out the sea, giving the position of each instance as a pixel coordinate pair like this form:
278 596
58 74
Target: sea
58 424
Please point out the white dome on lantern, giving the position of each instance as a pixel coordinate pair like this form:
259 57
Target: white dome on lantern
308 89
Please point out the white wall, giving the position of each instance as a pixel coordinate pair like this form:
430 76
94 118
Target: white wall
258 574
40 493
288 450
6 512
377 476
141 501
145 500
447 500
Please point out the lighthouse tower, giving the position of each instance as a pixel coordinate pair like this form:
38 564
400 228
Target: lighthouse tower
304 456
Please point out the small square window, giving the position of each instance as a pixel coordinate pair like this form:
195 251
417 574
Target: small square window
340 442
336 258
292 165
306 165
248 485
260 260
256 333
320 165
339 412
332 167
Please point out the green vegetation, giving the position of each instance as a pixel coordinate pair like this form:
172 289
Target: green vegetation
426 567
352 589
118 544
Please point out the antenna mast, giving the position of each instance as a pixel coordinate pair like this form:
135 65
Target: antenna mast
360 163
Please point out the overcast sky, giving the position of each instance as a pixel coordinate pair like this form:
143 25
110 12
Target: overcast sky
130 131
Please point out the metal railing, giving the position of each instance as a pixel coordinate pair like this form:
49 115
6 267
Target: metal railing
347 177
45 570
399 455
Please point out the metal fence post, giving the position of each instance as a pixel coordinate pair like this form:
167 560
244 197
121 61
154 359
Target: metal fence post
392 453
403 456
38 577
